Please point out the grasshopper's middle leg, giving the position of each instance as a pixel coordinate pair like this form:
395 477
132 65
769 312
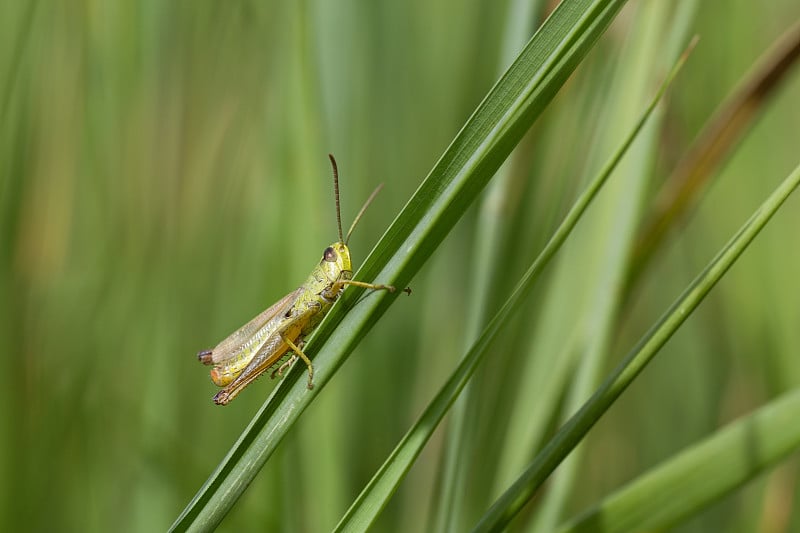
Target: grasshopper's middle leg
286 364
296 349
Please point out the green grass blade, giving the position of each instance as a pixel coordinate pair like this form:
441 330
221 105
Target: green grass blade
463 170
699 475
513 499
380 488
488 261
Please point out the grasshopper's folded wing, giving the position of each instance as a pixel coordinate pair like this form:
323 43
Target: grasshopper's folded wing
269 355
248 339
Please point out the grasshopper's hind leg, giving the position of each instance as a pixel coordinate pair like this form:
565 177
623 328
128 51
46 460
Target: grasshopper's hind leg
298 353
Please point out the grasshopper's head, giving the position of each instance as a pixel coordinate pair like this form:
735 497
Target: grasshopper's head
336 262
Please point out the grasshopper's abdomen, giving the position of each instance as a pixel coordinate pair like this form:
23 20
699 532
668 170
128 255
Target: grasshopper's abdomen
223 374
226 371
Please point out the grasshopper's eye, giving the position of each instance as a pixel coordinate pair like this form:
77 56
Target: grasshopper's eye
329 255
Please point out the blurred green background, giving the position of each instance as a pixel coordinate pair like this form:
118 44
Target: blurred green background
164 179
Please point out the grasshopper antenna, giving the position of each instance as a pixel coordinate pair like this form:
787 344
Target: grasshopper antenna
364 208
336 195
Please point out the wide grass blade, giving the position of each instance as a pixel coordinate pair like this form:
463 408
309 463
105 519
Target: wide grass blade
513 499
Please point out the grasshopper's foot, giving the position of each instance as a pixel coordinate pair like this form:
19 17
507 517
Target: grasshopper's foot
407 290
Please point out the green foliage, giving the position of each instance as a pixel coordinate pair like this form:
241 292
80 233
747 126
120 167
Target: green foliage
164 178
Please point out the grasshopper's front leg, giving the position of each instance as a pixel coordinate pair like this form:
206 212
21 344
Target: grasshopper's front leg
373 286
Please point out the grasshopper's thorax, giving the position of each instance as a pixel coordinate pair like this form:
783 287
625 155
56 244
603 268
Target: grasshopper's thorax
325 283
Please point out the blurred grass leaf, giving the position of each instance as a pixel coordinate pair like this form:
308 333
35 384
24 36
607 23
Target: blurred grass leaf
699 475
715 143
570 435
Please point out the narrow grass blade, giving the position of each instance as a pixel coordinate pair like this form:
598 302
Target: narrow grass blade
383 484
699 475
509 504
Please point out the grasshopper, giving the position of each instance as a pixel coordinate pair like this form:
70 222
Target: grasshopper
279 332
